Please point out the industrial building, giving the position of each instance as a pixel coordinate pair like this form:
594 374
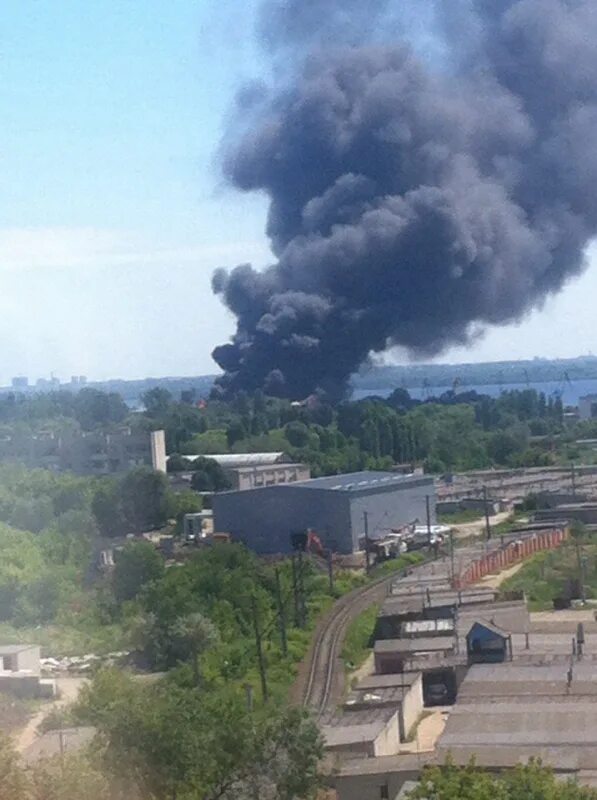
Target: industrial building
89 453
342 510
253 470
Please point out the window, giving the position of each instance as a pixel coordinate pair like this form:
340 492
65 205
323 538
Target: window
384 793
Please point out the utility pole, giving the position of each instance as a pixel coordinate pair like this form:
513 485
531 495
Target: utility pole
260 659
249 696
573 479
281 614
452 565
301 590
486 506
581 572
295 592
366 526
428 513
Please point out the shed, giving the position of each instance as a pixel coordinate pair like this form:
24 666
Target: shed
20 658
488 644
391 654
367 733
407 699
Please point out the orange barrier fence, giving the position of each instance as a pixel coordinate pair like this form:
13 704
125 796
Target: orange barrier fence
510 554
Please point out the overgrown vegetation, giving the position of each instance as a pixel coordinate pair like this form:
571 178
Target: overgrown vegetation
357 644
556 574
533 780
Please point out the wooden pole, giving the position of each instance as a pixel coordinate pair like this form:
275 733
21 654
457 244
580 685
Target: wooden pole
258 643
281 615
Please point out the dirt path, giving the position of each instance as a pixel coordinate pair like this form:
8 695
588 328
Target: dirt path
495 581
466 529
69 691
429 729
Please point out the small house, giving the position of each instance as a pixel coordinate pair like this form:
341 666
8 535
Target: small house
488 644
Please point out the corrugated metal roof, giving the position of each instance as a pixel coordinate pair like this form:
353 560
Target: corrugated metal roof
231 460
421 645
361 481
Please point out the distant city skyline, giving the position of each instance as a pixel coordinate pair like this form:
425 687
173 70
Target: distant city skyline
114 210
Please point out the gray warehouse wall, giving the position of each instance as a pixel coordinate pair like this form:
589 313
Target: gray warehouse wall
392 507
264 519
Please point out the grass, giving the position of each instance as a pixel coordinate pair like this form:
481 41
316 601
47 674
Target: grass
552 574
397 564
65 640
460 517
357 644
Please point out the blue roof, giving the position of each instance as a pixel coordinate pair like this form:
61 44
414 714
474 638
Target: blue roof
358 481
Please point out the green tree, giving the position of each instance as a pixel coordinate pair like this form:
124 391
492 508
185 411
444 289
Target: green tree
235 432
137 564
194 633
144 499
93 408
107 508
71 777
297 434
173 742
209 476
529 782
13 780
157 402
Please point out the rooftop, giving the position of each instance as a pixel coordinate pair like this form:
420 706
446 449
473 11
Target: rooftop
376 698
537 680
362 481
13 649
420 645
374 682
512 722
230 460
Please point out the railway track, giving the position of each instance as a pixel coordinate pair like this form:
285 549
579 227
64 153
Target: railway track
324 665
324 681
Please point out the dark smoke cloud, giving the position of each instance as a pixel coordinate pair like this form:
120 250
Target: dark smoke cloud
297 23
412 205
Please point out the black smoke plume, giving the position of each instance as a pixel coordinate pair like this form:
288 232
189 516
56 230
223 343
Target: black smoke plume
412 201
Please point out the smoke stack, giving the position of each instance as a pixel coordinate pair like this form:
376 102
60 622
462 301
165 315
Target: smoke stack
412 203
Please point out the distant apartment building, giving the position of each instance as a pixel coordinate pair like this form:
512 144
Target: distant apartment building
20 382
93 453
587 407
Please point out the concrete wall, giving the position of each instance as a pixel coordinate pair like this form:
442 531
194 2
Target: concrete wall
252 478
412 707
19 685
368 786
387 742
158 451
26 660
392 508
264 519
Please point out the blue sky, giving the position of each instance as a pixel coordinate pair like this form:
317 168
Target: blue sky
113 211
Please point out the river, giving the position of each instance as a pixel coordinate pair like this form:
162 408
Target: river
570 391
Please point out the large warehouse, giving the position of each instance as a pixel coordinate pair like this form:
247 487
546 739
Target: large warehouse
335 508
